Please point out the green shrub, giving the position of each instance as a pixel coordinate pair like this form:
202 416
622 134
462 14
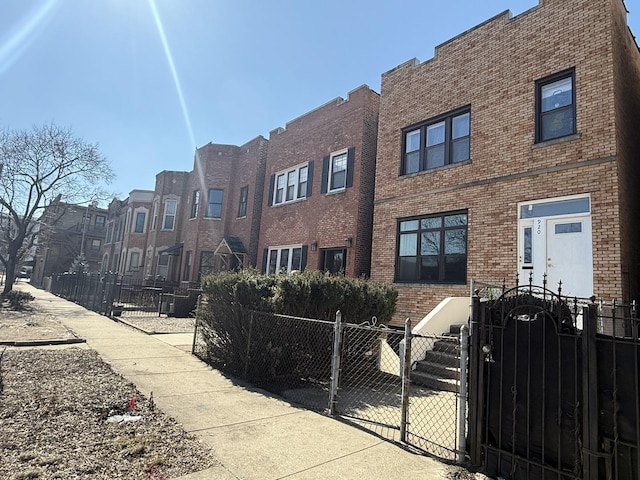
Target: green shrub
18 300
262 346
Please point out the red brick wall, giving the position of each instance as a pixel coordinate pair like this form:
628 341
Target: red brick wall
226 167
493 68
328 219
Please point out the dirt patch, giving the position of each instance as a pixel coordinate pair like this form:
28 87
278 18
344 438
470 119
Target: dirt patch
31 324
53 422
159 324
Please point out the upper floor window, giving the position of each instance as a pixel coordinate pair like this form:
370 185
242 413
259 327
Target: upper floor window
139 226
109 236
195 202
290 185
169 220
338 172
242 205
100 220
441 141
555 106
154 222
214 203
432 249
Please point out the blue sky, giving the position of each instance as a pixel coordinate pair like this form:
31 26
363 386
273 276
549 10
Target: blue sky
244 67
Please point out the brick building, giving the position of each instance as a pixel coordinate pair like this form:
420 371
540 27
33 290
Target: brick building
66 233
512 151
318 194
223 208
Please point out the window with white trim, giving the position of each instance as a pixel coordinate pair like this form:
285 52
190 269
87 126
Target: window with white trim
291 185
134 261
154 224
284 259
163 266
338 172
170 207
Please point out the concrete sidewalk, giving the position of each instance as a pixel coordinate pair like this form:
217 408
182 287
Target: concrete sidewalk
253 435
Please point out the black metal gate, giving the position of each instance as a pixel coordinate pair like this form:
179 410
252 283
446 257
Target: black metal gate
546 396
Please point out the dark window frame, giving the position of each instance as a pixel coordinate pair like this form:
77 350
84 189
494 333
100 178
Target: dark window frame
417 276
544 82
211 205
141 218
195 203
449 140
329 253
186 274
206 266
242 204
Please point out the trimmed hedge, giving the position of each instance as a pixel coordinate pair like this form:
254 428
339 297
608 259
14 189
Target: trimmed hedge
310 294
261 347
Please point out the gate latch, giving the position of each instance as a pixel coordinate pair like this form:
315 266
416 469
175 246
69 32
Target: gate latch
486 349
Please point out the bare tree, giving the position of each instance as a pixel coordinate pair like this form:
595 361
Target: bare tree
36 167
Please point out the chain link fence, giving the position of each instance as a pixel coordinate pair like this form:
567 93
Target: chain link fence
370 383
402 387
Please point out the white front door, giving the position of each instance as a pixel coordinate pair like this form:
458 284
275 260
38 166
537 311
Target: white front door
569 255
554 240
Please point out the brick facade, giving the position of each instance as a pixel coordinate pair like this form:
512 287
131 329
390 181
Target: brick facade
493 68
323 221
228 168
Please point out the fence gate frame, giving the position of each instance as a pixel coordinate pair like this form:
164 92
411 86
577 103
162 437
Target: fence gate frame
526 385
594 413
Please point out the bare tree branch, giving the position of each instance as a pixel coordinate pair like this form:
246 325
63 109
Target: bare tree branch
39 165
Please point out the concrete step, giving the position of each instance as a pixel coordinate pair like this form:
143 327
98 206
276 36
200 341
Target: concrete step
438 370
434 382
449 359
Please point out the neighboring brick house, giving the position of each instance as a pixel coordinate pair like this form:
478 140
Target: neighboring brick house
128 226
513 151
163 256
317 208
222 208
66 231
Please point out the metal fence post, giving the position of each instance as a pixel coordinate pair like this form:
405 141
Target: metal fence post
335 364
195 328
476 390
406 380
590 413
462 393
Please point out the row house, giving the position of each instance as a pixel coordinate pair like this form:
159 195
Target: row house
302 199
192 223
513 151
318 206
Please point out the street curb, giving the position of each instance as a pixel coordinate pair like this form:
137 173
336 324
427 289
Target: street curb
40 343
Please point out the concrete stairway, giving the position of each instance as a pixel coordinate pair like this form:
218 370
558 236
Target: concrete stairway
440 370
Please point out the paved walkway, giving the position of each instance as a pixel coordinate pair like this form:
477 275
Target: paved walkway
252 434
